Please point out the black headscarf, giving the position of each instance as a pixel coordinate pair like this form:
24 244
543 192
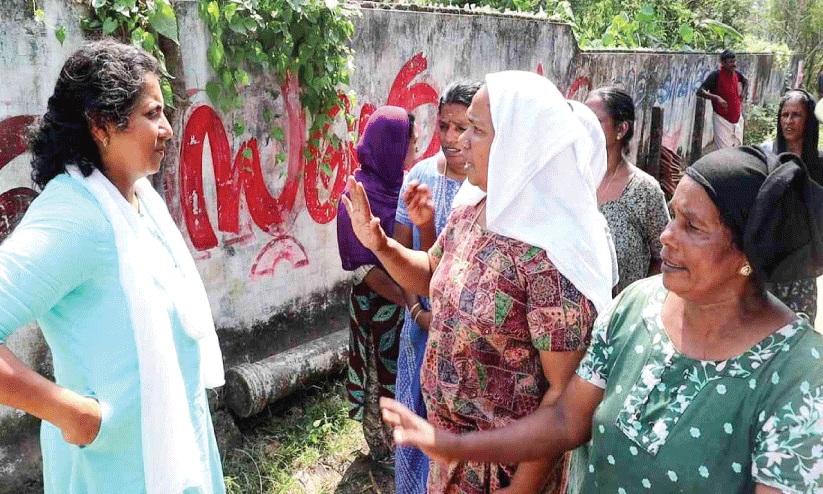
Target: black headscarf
773 208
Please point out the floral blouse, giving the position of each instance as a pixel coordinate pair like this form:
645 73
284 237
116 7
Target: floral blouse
496 302
669 423
636 220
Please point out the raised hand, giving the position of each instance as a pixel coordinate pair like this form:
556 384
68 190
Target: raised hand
365 225
411 430
419 204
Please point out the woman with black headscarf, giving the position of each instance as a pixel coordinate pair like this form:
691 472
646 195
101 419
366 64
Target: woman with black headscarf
697 380
798 132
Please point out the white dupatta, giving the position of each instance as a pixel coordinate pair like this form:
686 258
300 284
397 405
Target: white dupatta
544 169
171 458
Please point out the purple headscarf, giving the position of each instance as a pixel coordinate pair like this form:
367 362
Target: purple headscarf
381 153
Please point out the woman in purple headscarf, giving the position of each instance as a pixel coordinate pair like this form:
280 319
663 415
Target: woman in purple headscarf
376 304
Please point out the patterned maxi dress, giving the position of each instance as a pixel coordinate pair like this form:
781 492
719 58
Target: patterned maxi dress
496 302
669 423
411 465
374 338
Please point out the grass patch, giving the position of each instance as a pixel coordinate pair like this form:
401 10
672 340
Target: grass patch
303 445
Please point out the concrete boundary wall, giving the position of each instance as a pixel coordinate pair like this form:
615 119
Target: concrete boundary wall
671 80
262 229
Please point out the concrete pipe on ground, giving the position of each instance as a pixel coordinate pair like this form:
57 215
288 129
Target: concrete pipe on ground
250 387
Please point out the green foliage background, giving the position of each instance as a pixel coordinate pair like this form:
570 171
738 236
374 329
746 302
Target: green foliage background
777 26
307 38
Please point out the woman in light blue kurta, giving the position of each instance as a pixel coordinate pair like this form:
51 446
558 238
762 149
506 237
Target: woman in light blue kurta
63 267
442 174
411 465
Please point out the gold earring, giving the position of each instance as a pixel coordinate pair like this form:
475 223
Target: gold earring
746 270
106 142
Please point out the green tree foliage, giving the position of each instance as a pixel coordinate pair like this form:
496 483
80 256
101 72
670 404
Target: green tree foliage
652 24
139 22
668 24
308 38
798 24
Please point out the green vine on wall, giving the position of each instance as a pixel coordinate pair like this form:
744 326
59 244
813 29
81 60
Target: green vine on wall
139 22
306 38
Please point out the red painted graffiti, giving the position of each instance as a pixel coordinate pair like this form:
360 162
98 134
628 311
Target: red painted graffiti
233 178
14 202
323 170
13 205
339 162
12 137
577 84
281 248
410 96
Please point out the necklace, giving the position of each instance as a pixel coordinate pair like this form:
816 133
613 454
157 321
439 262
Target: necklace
441 194
605 189
609 182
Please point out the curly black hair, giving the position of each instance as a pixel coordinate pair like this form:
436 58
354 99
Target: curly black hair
99 84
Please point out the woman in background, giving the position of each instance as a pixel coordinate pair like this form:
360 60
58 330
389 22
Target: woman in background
630 199
798 132
376 302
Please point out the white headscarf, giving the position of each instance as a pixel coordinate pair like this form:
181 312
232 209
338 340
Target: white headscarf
545 164
171 458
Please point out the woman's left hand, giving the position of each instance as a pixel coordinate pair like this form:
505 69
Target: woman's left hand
411 430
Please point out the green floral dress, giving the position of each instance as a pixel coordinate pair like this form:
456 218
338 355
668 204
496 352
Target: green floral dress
669 423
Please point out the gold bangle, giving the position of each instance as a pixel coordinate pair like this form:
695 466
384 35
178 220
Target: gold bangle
411 309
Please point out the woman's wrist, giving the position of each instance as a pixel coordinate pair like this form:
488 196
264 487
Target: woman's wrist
429 224
77 416
415 315
384 247
454 446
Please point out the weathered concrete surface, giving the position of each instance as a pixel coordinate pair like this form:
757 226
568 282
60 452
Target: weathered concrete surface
670 80
250 387
262 230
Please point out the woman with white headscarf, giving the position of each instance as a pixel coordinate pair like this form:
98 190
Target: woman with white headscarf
516 277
